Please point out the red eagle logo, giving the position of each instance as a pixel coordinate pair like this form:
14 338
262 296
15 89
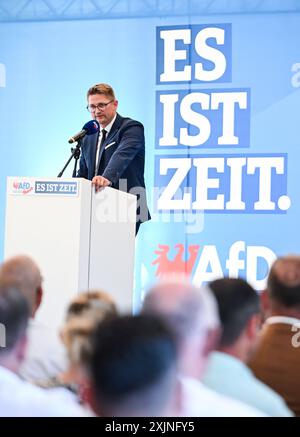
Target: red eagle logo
178 265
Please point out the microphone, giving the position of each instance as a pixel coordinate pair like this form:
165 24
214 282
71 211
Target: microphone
90 128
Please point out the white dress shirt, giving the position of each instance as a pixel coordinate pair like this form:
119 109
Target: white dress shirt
200 401
46 356
19 398
107 129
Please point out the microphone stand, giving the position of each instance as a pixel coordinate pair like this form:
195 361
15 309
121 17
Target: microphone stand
75 153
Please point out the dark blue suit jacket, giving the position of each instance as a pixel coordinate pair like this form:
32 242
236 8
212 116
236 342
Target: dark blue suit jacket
122 160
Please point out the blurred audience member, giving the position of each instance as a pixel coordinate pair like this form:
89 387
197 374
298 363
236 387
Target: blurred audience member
193 316
277 359
227 371
133 368
83 314
17 397
45 355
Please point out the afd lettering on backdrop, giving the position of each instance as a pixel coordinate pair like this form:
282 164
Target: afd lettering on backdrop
204 263
222 183
54 187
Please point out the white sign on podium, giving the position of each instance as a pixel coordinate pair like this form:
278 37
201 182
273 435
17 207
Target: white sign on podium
80 239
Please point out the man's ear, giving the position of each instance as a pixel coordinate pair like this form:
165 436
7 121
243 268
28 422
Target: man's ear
38 299
265 303
212 341
21 347
39 296
252 327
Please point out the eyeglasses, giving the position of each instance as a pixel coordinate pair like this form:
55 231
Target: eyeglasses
92 108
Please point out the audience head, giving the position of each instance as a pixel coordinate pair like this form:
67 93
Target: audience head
21 271
282 296
239 312
192 315
14 314
84 312
133 367
93 301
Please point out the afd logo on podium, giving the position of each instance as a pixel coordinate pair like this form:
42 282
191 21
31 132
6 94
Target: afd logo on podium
22 187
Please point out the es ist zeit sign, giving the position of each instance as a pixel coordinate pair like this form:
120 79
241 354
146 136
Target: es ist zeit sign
54 187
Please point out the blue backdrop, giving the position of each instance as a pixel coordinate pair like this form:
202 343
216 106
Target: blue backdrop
219 99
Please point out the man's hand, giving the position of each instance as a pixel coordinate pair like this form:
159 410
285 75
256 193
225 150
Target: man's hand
100 182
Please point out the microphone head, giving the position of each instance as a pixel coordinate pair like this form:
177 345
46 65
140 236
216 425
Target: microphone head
91 127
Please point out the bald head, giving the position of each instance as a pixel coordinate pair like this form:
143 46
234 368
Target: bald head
284 282
187 308
21 271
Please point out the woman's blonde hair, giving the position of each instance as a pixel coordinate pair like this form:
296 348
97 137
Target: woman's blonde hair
83 314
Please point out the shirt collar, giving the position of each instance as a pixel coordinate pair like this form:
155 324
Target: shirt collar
282 319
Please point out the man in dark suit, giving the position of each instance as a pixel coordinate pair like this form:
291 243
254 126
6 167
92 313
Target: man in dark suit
115 156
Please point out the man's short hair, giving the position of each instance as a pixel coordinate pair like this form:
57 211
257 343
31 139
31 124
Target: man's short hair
237 303
14 314
133 366
284 281
101 88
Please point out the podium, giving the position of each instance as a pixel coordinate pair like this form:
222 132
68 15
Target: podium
81 240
